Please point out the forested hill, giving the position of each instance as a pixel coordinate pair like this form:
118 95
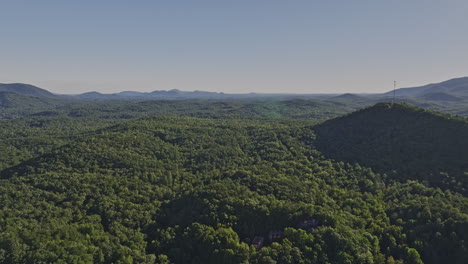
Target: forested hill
27 89
404 141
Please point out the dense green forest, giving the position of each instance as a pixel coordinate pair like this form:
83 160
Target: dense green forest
13 106
232 182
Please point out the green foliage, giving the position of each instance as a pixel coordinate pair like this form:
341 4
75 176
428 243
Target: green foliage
168 189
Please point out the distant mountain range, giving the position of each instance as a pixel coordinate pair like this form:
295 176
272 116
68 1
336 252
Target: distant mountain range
453 90
171 94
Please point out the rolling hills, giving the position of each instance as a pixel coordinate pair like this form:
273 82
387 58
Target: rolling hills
450 99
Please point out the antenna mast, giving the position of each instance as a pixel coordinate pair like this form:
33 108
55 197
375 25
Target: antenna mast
394 88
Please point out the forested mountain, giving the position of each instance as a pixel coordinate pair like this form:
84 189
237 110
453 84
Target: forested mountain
457 86
97 96
178 188
348 97
27 89
403 141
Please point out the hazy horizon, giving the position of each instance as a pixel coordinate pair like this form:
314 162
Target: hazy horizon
267 93
232 47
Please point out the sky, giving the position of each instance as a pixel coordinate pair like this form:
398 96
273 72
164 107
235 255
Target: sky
242 46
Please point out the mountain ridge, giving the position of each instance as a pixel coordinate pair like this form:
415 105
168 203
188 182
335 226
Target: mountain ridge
28 89
455 86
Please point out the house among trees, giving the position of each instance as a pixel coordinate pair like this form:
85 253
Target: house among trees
308 223
275 235
258 242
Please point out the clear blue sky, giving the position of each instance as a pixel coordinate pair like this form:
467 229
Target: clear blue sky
232 46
